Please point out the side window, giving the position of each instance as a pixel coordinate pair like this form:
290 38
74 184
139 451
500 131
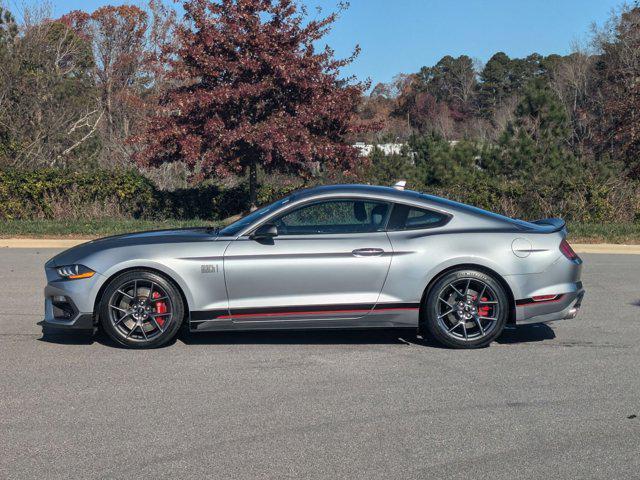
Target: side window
405 217
335 216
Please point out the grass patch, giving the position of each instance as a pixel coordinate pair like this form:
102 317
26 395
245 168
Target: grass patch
625 233
90 228
578 232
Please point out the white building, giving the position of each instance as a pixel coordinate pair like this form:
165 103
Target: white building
387 149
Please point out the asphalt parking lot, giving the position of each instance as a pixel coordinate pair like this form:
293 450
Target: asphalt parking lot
559 401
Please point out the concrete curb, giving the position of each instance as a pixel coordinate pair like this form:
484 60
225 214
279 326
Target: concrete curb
606 248
41 242
59 243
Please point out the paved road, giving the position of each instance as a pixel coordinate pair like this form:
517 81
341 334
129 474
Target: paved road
541 403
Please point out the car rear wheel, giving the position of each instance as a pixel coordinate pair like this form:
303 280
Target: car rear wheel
141 309
466 309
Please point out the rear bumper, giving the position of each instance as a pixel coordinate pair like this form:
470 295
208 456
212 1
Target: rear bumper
564 308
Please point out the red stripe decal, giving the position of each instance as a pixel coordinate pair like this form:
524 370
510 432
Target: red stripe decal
315 312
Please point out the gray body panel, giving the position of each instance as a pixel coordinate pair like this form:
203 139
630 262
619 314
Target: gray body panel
317 281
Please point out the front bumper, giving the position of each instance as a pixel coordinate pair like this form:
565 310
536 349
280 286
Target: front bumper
73 321
566 307
69 304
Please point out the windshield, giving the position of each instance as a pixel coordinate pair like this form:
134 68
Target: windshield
236 227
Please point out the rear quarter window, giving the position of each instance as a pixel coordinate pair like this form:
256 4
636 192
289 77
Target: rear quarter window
405 217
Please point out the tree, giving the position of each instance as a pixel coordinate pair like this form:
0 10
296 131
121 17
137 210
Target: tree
251 90
535 145
572 78
127 44
8 33
451 80
8 29
618 67
503 77
48 107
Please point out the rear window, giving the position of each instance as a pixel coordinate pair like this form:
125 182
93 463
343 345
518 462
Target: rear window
405 217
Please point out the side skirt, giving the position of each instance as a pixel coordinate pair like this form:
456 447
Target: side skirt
308 317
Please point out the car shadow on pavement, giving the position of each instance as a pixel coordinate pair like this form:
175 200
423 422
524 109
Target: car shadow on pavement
536 332
300 337
511 335
67 338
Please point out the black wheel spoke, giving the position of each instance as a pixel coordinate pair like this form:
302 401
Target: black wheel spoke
122 318
454 327
445 302
124 293
157 325
478 321
466 290
456 290
132 330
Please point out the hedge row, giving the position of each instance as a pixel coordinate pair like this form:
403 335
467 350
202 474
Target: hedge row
56 194
584 200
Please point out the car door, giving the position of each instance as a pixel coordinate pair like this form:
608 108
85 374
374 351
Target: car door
327 264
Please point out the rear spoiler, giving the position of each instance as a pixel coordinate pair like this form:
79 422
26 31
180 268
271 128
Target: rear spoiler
557 224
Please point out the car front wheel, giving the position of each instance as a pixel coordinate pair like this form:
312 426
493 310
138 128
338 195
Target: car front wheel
141 309
466 309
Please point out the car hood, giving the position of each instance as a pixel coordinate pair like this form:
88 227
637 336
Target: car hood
77 253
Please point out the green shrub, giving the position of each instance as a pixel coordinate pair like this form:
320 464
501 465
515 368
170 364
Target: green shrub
53 193
59 194
595 195
576 189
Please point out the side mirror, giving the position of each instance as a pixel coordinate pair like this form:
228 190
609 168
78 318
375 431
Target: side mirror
265 232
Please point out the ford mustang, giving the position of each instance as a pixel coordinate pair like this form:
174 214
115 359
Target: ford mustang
342 256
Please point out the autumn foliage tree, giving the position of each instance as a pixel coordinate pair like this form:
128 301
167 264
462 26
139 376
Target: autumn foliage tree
251 89
127 44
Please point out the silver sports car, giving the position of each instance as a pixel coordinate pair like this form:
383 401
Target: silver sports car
344 256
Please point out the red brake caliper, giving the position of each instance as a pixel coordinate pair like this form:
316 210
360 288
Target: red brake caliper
484 310
161 307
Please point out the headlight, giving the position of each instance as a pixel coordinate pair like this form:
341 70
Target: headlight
74 272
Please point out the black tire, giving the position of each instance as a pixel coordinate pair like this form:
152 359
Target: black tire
151 329
473 309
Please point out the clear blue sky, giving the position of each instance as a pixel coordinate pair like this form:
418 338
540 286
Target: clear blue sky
404 35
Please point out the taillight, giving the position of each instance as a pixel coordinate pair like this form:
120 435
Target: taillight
544 298
567 251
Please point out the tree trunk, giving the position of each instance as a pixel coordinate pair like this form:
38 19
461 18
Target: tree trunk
253 185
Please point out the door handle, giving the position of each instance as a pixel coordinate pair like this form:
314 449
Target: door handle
367 252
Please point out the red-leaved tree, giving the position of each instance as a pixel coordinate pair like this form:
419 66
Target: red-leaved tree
252 90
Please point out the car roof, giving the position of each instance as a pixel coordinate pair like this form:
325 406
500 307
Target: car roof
360 189
411 196
385 192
